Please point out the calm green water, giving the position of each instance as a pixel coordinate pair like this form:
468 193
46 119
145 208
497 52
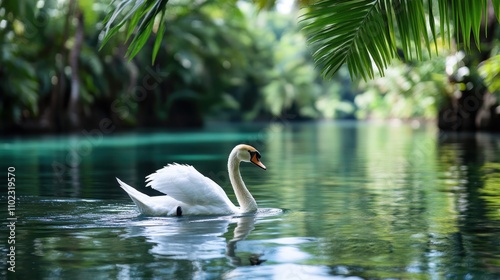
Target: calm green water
365 201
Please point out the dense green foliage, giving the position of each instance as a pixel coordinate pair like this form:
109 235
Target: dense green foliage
37 39
361 33
220 60
214 59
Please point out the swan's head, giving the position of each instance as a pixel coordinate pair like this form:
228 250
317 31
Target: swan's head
248 153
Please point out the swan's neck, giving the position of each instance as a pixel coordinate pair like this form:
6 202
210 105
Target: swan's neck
244 197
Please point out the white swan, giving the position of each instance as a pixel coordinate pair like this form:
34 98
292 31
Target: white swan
188 192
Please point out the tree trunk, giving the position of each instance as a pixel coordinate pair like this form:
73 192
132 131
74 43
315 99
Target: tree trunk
72 111
54 116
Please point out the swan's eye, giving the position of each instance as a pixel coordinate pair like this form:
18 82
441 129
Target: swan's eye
255 159
252 153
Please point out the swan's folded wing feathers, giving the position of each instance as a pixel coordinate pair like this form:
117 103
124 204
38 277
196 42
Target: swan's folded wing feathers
186 184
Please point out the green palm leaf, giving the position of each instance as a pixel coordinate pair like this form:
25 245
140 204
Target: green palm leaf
352 32
496 8
140 16
361 33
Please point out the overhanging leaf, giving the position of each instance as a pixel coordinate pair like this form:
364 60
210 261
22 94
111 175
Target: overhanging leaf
496 8
159 37
352 32
140 16
362 33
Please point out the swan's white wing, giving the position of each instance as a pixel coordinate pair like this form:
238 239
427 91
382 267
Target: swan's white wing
152 205
186 184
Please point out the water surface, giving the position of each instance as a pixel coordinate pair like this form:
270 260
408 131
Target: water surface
340 200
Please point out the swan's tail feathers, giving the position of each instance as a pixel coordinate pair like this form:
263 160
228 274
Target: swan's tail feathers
140 199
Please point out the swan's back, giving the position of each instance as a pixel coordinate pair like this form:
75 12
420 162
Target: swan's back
184 183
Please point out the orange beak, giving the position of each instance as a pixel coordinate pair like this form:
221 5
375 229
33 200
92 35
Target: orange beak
255 160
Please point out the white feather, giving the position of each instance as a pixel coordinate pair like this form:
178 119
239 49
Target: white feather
151 205
185 184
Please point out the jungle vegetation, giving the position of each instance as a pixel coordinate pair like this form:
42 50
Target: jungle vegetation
67 65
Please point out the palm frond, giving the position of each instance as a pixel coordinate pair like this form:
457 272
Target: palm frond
496 8
352 32
140 16
361 33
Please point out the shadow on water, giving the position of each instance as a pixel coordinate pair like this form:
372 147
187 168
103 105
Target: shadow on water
471 165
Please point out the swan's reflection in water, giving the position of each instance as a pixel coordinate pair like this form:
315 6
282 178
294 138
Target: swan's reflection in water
243 228
198 238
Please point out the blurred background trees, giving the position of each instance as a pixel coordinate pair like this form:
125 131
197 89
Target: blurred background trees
218 60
